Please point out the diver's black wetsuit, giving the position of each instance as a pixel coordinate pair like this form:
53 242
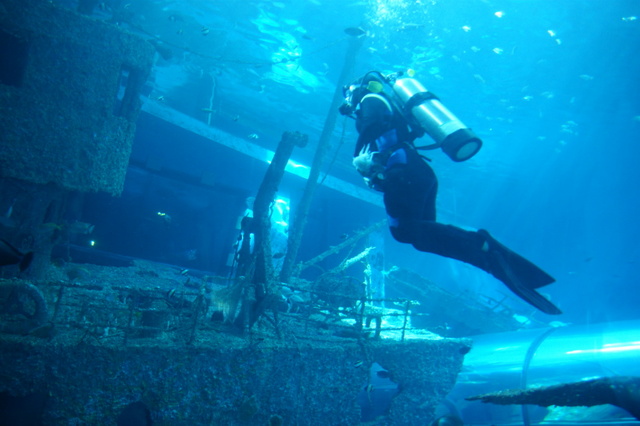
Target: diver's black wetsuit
410 187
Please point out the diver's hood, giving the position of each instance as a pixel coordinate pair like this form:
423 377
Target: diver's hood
371 82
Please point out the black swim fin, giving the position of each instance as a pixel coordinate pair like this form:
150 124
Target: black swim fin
9 255
26 261
520 275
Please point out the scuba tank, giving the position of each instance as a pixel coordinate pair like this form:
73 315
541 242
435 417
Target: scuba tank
448 132
423 111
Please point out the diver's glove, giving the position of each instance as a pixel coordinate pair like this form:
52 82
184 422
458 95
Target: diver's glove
368 164
346 109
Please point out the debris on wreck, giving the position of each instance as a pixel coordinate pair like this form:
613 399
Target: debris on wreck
623 392
22 307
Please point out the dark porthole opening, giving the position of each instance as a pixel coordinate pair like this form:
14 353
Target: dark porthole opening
13 59
22 410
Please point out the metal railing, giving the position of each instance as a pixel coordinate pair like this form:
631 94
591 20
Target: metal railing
121 314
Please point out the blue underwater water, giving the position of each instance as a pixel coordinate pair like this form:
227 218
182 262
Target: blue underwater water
550 86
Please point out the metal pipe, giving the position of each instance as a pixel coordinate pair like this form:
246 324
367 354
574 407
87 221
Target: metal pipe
304 205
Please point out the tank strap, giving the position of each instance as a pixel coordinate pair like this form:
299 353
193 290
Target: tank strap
418 99
383 156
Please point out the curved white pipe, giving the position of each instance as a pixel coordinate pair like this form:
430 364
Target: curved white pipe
542 357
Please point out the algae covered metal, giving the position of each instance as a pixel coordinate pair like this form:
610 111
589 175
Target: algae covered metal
69 97
116 336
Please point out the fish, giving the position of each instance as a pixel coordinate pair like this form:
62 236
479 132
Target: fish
355 31
83 228
296 298
50 226
165 217
253 136
358 364
6 219
410 26
447 420
479 79
76 227
9 255
10 209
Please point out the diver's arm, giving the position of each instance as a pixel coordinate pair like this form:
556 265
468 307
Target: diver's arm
373 119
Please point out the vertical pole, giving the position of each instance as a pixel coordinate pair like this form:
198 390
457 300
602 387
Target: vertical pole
260 268
302 211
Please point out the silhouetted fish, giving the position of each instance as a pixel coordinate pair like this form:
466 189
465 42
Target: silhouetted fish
9 255
354 31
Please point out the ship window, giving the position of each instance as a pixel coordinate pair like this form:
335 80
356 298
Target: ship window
127 102
13 59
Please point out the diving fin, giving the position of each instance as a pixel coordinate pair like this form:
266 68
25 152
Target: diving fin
520 275
528 294
9 255
26 261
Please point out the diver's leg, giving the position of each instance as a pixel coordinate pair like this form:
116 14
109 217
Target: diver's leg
410 192
483 251
409 197
453 242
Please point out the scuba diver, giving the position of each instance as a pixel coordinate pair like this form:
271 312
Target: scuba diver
390 113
